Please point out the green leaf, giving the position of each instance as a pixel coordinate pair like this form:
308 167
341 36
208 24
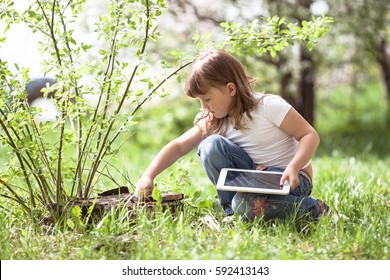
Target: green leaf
156 194
86 47
70 223
281 21
310 46
32 14
224 24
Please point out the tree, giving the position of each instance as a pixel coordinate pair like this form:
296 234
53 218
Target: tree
368 22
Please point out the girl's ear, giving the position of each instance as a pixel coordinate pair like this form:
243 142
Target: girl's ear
231 87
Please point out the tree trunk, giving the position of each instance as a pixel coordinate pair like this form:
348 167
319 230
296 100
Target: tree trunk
285 85
306 86
384 61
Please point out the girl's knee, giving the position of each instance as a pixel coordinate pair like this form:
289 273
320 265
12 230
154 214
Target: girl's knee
211 146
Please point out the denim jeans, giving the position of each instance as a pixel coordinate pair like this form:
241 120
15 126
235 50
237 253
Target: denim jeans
217 152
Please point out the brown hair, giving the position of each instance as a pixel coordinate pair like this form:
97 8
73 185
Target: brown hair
218 68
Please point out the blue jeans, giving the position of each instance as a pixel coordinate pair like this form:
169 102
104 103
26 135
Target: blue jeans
217 152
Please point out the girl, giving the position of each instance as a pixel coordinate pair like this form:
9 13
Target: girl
240 129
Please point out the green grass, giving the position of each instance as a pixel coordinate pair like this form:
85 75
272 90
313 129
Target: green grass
360 230
351 174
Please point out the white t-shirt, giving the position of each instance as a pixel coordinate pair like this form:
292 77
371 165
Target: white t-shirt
263 140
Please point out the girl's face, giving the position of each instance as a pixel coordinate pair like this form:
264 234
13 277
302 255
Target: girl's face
218 100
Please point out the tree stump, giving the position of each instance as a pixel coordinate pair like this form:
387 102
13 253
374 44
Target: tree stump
120 198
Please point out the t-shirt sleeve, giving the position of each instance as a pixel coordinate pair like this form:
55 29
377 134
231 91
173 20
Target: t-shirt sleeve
276 108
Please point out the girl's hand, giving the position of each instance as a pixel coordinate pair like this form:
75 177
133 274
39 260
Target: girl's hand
291 175
144 188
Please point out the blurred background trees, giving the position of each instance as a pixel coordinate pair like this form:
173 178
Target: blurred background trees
355 51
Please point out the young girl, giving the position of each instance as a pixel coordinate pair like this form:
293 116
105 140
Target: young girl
240 129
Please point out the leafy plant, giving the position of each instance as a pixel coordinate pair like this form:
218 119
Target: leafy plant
273 34
52 163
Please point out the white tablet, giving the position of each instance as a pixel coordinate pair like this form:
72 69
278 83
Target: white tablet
253 181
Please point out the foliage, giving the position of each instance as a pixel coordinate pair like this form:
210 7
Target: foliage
165 124
359 114
50 163
367 28
274 34
368 40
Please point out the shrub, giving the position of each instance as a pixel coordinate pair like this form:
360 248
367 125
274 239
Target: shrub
49 164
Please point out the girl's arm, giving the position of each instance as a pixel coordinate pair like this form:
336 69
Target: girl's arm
296 126
165 158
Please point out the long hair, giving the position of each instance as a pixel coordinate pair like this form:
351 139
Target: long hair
218 68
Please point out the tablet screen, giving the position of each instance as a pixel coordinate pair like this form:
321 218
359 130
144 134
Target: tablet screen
253 179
